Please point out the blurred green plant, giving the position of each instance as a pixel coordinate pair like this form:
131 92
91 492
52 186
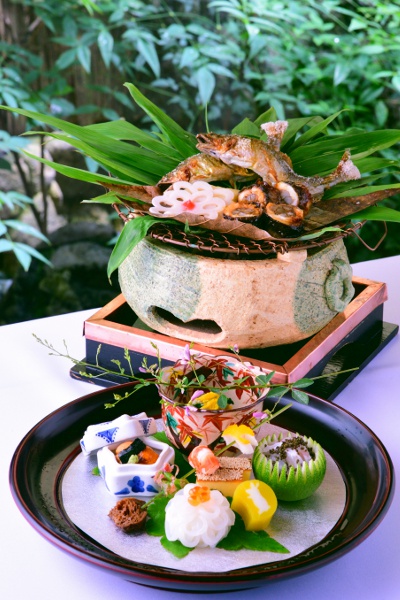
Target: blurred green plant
15 203
22 251
305 57
69 58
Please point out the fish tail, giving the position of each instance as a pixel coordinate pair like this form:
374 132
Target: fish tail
345 171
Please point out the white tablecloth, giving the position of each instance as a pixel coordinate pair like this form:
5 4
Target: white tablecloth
33 384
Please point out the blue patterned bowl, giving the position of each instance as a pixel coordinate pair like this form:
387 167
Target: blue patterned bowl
133 479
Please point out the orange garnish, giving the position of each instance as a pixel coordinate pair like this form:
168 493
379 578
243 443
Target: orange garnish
198 495
148 456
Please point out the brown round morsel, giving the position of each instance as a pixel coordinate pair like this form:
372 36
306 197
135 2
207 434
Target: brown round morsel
128 515
243 211
254 194
285 214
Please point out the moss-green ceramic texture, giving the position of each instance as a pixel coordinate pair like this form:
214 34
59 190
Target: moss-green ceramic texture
323 287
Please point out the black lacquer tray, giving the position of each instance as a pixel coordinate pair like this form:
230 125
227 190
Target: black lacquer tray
47 450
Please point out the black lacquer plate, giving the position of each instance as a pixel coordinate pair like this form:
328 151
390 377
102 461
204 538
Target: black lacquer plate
47 450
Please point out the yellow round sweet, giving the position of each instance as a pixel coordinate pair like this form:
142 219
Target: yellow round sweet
256 503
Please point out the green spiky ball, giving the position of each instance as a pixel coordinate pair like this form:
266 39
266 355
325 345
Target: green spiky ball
290 483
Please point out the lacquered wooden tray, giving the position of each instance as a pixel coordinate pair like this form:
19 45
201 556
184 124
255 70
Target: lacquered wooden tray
349 341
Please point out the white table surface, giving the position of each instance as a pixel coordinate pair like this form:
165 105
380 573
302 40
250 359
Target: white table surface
33 384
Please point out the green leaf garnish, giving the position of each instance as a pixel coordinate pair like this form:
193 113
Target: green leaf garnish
247 128
223 401
123 130
323 155
132 233
378 213
278 391
315 130
265 379
303 383
176 548
156 513
180 459
238 538
181 140
300 396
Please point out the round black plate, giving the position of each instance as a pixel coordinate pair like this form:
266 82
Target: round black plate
45 452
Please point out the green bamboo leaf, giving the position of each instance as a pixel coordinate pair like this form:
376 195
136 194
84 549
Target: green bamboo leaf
247 127
122 130
23 257
108 198
339 189
132 233
66 59
188 57
84 56
144 169
363 191
6 245
316 130
323 156
137 159
21 250
266 117
183 141
379 213
373 163
140 159
294 127
80 174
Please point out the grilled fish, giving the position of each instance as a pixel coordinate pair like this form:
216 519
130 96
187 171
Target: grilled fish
203 167
270 164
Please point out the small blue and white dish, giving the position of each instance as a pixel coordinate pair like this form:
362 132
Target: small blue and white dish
137 480
123 428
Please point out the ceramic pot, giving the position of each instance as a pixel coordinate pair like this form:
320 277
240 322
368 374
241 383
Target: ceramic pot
221 302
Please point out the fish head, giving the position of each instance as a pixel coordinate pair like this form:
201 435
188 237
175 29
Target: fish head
228 148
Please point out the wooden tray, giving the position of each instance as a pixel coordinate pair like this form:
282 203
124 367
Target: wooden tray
349 341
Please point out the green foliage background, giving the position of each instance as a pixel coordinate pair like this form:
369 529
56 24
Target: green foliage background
70 58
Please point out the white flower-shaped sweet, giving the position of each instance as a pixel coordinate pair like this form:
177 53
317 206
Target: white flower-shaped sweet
198 517
198 198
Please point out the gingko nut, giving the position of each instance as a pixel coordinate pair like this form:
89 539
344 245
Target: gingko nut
256 503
